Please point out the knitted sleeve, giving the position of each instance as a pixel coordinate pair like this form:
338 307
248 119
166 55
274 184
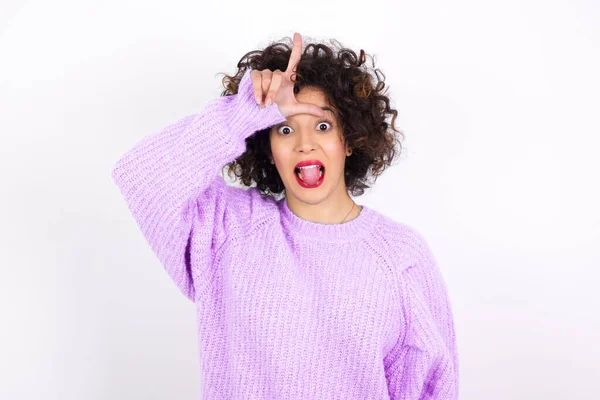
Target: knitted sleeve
173 187
424 362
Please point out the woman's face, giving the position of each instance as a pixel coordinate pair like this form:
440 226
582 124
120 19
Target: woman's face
309 137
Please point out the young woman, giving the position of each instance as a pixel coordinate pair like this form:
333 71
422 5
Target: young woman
307 296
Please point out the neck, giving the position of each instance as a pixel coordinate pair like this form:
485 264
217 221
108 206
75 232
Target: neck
329 211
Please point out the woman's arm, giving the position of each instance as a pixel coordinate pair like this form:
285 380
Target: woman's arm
172 185
424 362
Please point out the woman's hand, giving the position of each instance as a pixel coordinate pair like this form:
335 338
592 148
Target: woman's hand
277 86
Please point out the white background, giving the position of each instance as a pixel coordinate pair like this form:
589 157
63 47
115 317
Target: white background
499 102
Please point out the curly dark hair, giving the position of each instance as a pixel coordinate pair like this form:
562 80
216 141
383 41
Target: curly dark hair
354 91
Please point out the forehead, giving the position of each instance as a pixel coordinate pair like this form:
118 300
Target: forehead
317 96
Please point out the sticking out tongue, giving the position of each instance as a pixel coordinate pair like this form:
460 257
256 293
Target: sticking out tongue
310 175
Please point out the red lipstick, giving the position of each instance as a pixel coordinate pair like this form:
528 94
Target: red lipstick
309 163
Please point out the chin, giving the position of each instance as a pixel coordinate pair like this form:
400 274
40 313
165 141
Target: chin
309 196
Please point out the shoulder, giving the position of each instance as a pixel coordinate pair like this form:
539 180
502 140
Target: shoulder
239 210
416 271
404 243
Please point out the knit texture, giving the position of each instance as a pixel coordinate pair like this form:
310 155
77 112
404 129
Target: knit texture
286 308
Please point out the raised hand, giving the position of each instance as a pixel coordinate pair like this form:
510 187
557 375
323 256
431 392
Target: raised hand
277 86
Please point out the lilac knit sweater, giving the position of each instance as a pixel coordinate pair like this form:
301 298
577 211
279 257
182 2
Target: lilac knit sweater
286 308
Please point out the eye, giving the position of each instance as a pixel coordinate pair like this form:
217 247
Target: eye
324 123
322 126
281 129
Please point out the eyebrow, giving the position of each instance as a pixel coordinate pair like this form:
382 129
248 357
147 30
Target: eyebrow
324 108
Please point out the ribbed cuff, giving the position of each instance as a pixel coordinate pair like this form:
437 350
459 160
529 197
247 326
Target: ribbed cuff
243 115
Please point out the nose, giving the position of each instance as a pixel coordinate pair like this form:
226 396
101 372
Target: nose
305 142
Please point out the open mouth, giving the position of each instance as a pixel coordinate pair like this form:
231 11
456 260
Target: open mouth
310 176
321 170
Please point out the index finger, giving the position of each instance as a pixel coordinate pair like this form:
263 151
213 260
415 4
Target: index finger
295 56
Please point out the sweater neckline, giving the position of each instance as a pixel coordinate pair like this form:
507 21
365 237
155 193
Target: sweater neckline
351 230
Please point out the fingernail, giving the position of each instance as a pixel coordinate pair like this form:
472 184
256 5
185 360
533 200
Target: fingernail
257 100
268 103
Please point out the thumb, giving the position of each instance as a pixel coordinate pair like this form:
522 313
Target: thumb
307 108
